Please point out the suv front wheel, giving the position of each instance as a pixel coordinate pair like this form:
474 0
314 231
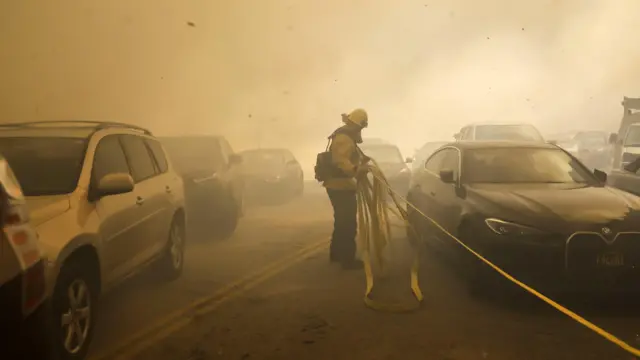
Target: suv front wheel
73 309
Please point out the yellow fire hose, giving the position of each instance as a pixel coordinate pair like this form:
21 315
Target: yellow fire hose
374 233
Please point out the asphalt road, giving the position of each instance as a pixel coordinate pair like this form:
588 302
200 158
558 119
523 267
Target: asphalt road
315 310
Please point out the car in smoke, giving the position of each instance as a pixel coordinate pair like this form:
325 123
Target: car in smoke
593 149
213 181
499 131
533 210
628 146
25 318
271 174
627 178
106 204
391 163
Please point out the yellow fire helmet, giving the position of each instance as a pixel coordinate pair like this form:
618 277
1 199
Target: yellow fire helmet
358 117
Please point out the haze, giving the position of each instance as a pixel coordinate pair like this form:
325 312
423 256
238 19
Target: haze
279 73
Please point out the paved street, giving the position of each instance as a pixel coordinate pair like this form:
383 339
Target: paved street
314 310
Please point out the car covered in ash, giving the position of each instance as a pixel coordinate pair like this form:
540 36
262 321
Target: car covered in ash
495 131
213 181
391 163
271 173
533 210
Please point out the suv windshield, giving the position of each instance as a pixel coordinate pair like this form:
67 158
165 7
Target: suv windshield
507 132
522 165
383 153
45 165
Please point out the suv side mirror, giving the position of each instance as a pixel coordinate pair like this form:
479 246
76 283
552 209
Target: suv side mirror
613 138
235 159
114 184
408 160
600 175
447 176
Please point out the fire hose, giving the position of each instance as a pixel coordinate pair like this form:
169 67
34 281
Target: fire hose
374 233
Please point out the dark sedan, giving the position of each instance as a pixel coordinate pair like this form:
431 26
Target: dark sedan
393 166
272 174
533 210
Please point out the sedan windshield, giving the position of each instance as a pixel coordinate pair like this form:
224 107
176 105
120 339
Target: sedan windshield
383 153
522 165
44 165
507 132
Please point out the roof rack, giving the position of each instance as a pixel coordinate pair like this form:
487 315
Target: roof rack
99 125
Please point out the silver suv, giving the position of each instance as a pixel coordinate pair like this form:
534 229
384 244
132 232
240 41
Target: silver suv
105 202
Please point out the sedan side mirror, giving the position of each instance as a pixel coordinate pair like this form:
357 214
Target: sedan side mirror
115 184
613 138
600 175
235 159
408 160
447 176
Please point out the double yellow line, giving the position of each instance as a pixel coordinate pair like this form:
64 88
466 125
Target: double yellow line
180 318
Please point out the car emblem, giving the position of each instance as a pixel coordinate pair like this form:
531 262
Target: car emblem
606 230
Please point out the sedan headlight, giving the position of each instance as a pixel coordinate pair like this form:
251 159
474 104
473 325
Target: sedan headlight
502 227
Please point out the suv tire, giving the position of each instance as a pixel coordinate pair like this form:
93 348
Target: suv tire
78 312
171 263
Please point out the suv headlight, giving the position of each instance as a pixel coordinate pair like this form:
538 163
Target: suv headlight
502 227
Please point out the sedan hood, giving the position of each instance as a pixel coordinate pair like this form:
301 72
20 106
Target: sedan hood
45 208
557 207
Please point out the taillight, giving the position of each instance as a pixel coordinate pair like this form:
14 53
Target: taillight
33 287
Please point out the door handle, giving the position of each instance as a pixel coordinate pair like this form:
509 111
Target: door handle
432 193
168 189
139 201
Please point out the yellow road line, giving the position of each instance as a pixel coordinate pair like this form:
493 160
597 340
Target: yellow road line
182 317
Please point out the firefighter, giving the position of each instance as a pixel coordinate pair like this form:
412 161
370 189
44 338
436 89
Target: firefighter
348 164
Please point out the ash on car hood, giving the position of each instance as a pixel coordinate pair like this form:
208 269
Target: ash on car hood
558 206
45 208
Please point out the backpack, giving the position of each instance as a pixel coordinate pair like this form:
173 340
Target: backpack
324 166
325 169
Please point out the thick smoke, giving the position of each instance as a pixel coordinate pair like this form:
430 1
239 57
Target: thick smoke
279 73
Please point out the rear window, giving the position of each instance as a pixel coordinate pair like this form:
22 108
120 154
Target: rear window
45 165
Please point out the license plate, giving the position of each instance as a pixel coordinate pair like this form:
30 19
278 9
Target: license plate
610 259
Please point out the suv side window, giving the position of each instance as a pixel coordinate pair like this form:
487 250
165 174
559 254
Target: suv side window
139 157
433 163
109 158
158 155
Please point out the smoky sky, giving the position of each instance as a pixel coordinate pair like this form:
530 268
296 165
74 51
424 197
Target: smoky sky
279 73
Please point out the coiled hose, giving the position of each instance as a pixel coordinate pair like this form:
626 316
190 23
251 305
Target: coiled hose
376 200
